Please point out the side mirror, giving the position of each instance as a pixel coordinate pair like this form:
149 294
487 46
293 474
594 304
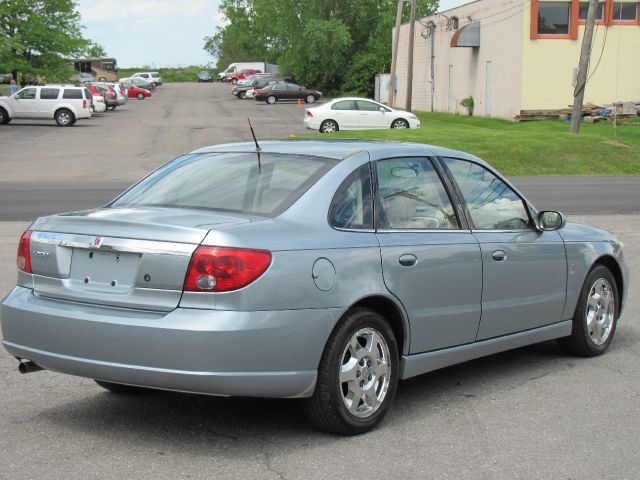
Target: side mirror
549 220
382 110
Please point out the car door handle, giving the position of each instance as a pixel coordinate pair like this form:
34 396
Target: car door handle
499 256
408 260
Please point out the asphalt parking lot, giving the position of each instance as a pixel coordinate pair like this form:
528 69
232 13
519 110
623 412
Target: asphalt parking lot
532 413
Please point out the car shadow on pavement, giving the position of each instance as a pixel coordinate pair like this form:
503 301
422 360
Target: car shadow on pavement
197 421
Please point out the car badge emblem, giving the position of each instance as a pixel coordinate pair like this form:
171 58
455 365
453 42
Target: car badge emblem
97 242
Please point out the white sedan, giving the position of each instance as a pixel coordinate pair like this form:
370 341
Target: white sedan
356 114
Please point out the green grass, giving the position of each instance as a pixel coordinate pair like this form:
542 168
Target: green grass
526 148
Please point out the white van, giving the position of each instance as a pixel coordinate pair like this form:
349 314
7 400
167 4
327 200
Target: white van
150 77
63 103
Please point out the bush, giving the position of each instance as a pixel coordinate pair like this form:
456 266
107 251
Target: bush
468 103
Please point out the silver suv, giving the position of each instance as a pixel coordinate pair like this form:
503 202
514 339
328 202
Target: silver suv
63 103
150 77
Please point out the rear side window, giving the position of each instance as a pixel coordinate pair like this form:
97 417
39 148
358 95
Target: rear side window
344 105
232 182
72 94
49 93
352 205
412 196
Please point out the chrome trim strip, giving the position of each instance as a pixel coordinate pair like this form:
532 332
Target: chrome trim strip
113 244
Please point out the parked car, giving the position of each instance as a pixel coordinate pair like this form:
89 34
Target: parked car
65 104
389 260
109 94
237 76
136 92
204 76
97 99
121 96
357 114
139 82
287 91
85 78
240 91
150 77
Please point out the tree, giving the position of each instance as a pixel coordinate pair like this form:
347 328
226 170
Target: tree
334 45
37 37
95 50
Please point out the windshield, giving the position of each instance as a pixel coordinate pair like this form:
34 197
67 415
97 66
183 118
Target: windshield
231 182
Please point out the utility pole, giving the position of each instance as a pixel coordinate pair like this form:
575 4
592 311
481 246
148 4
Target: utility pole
394 56
583 67
412 32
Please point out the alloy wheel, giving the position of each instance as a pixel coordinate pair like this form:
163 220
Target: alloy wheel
600 311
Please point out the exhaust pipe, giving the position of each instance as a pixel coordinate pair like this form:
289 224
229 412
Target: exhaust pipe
28 367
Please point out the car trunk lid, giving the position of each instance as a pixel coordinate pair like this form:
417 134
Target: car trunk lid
131 258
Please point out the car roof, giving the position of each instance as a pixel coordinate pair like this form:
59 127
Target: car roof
341 149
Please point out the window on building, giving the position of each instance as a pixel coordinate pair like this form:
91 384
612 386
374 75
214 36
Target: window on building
553 18
453 23
625 12
584 8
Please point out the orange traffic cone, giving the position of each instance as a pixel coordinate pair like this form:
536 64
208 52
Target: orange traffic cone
299 102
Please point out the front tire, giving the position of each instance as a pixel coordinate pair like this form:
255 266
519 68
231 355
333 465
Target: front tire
400 123
596 315
329 126
140 96
64 117
242 95
102 79
271 99
357 377
234 81
4 117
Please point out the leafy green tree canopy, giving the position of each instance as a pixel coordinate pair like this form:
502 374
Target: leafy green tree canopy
37 37
334 45
95 50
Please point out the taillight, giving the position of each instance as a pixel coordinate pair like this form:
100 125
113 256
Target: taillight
221 269
309 114
84 104
24 252
259 91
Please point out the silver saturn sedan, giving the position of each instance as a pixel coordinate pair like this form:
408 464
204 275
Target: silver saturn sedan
324 270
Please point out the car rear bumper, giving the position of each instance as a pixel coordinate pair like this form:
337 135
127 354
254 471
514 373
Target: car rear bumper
263 354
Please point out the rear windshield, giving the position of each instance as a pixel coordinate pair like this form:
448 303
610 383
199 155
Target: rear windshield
231 182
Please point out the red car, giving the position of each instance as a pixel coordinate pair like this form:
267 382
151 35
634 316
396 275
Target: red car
136 92
234 77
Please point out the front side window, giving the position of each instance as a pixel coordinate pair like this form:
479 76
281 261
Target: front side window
352 205
493 205
553 18
584 8
623 11
367 106
49 93
344 105
27 94
232 182
412 196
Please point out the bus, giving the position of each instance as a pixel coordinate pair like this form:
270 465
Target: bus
103 69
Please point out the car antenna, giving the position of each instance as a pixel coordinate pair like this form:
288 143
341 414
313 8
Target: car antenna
258 149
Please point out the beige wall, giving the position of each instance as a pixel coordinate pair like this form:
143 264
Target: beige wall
549 66
500 43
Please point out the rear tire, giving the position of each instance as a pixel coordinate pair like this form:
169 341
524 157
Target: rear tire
357 377
102 79
242 95
234 81
64 117
329 126
310 99
120 389
596 315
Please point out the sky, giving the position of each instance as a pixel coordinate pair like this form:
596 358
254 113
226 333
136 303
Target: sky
158 33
